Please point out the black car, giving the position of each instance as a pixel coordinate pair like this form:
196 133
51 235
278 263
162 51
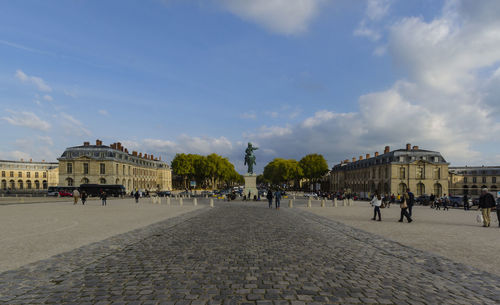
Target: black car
456 201
164 193
423 199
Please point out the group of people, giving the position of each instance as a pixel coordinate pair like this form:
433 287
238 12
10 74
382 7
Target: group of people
406 202
276 196
83 196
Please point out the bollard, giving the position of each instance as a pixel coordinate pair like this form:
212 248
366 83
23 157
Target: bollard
309 203
168 200
159 200
195 202
211 202
343 202
180 201
290 203
335 202
322 203
350 202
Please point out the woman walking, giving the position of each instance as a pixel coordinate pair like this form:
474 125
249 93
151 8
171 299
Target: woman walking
83 196
103 198
269 197
376 203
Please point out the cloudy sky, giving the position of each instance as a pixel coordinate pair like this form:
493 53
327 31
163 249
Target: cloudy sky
336 77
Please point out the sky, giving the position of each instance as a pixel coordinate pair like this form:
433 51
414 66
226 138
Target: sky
337 77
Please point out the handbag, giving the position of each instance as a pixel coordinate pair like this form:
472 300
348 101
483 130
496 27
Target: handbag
479 218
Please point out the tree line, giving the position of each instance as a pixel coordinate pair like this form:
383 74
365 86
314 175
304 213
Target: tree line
208 171
283 171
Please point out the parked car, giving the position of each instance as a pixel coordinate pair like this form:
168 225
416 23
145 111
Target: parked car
456 201
65 194
310 195
164 193
423 199
53 193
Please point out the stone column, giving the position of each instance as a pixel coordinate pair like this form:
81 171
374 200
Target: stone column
335 203
195 202
180 201
309 203
322 203
343 202
290 203
211 202
168 201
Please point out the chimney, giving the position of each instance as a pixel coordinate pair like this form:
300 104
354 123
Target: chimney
126 150
22 160
353 159
43 160
367 156
360 157
408 146
98 142
134 153
376 154
346 161
31 160
160 158
113 146
121 148
140 155
387 149
86 143
152 158
415 147
145 156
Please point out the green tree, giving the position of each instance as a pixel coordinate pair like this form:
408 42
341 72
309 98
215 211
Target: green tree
314 166
182 165
281 171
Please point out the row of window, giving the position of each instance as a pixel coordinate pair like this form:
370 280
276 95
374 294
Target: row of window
20 185
20 174
419 174
75 154
102 170
483 180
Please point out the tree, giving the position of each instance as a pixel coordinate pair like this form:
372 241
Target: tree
314 166
182 165
281 171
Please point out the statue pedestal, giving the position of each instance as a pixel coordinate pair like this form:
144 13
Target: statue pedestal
250 185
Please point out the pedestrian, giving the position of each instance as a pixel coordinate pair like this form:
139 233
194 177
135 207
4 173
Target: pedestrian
404 209
445 201
376 203
136 196
277 198
103 197
437 204
393 200
410 201
83 196
498 211
269 197
466 203
486 203
432 198
76 195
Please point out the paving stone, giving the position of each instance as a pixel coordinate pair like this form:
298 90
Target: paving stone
243 253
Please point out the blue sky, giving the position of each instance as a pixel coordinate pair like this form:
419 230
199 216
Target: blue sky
341 78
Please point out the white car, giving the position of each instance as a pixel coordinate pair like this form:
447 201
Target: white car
310 195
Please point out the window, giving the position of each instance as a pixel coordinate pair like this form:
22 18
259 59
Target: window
36 174
494 179
3 173
465 179
45 174
437 173
70 181
85 168
37 184
28 184
102 181
102 169
20 174
474 179
12 174
69 168
28 175
402 173
123 170
116 171
484 179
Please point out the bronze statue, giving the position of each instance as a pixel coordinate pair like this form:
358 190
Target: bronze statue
250 157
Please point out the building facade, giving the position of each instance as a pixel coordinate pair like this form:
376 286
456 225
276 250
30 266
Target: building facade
471 179
101 164
27 176
422 171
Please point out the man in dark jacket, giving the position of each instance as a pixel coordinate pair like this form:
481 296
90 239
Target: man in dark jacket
410 201
486 202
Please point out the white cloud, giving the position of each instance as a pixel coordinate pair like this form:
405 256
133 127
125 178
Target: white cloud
377 9
35 80
103 112
364 30
281 16
72 126
380 51
249 115
26 119
48 98
369 27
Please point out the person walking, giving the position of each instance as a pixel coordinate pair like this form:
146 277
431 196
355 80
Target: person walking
277 198
466 202
498 211
104 196
392 201
269 197
486 202
136 196
376 203
76 195
410 201
83 196
446 202
404 209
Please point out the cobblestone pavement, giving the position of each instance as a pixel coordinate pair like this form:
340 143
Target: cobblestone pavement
247 254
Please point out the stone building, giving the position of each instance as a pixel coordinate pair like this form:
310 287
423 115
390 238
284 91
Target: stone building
27 176
101 164
423 171
471 179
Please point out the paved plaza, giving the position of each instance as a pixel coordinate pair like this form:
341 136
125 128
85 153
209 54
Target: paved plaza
245 253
